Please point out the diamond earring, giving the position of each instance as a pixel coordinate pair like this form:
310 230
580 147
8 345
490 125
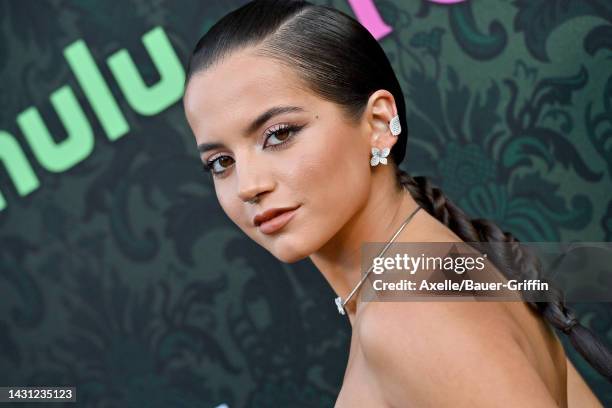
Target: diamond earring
394 125
379 156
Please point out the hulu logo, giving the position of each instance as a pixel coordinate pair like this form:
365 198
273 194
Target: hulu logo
147 101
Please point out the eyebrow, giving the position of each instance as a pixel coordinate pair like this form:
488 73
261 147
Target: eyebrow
255 124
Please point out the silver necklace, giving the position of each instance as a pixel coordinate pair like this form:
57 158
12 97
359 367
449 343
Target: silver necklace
339 303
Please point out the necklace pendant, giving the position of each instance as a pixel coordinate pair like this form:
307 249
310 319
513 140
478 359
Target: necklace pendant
338 301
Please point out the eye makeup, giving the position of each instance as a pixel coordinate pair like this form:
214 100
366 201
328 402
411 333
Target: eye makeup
213 165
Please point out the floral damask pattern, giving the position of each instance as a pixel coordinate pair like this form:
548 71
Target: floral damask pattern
124 277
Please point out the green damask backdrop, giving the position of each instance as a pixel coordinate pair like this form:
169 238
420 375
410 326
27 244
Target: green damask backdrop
122 275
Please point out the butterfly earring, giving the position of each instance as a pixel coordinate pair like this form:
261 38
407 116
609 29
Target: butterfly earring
379 156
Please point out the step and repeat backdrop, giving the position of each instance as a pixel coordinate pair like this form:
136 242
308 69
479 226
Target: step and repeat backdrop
121 276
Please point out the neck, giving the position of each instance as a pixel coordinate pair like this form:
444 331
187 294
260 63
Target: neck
339 259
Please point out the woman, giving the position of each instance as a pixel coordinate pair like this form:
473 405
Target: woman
287 101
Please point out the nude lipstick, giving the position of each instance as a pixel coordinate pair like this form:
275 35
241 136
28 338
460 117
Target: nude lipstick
272 220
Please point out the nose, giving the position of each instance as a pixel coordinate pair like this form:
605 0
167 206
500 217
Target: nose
252 182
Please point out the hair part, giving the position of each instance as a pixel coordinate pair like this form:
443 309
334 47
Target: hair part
313 41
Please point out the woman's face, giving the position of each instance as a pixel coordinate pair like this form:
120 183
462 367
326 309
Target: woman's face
307 155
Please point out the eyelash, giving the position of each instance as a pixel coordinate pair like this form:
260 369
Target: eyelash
292 129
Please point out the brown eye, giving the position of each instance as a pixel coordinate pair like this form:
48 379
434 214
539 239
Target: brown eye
280 135
225 161
218 165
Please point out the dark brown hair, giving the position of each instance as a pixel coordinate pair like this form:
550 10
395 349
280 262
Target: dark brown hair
343 63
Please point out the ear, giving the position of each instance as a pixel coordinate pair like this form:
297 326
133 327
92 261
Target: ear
379 112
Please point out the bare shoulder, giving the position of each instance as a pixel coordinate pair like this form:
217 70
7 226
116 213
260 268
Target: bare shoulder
448 354
578 392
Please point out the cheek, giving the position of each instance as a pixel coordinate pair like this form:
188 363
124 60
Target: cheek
333 179
338 167
329 176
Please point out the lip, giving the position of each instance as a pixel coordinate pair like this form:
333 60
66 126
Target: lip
274 219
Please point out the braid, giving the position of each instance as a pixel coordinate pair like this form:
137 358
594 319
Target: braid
514 261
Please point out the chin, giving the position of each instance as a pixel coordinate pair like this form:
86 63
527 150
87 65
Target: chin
288 253
292 259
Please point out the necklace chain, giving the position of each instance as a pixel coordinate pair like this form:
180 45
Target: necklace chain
339 302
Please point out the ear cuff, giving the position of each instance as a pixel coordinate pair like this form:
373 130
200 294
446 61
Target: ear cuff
394 126
379 156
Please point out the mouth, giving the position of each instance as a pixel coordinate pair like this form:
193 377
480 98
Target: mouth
273 220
